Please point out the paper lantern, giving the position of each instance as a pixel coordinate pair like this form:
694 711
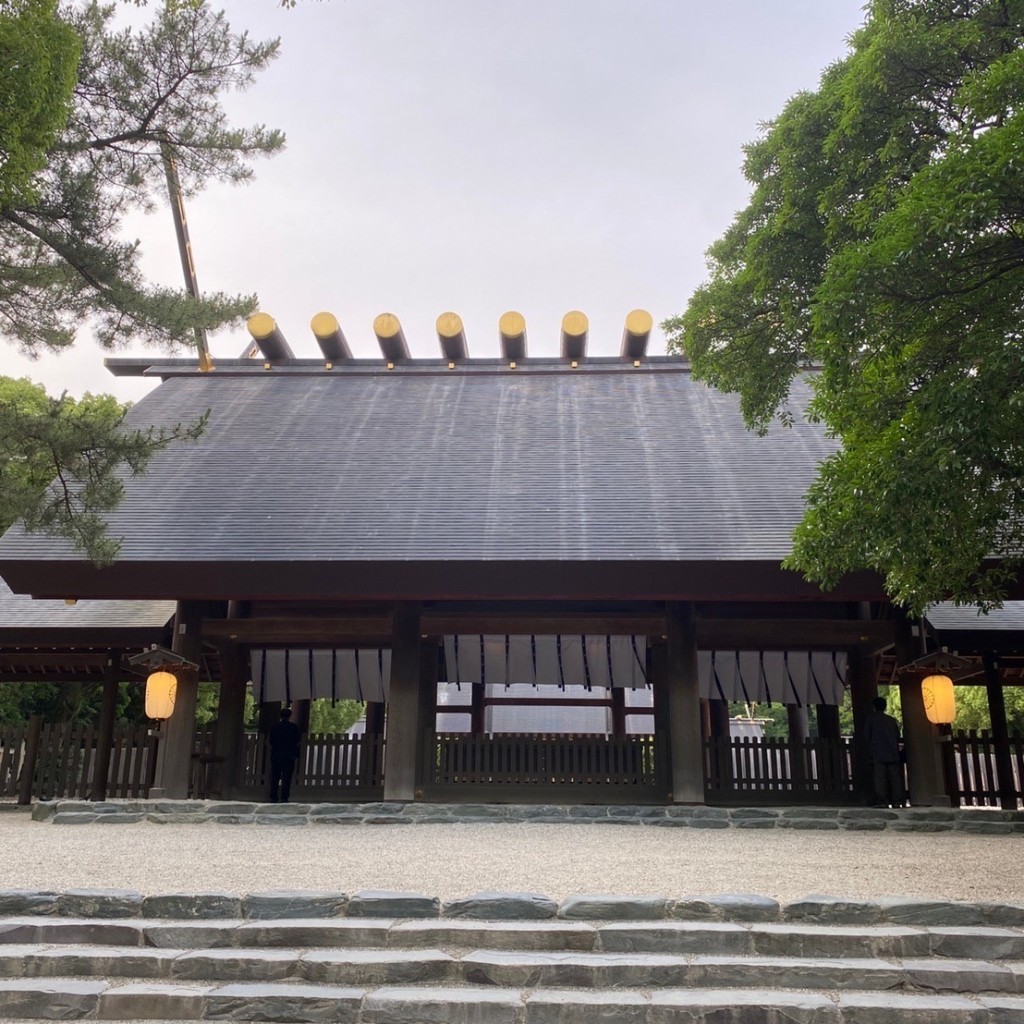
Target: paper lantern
161 688
939 700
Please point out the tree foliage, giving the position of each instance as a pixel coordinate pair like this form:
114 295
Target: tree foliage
67 261
884 243
85 444
81 146
38 57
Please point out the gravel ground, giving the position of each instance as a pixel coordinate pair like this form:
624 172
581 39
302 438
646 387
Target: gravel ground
558 860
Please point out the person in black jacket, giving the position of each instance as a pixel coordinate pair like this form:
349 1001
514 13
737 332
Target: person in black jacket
882 733
284 752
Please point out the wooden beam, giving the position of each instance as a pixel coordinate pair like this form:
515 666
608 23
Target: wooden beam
280 630
712 634
793 634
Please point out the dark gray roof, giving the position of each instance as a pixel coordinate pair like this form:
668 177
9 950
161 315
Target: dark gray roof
24 620
421 463
948 616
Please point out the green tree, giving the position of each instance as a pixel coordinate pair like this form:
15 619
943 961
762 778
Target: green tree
67 185
38 57
85 444
884 243
334 716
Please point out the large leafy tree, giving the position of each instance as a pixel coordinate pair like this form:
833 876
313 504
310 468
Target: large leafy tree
884 243
38 56
88 112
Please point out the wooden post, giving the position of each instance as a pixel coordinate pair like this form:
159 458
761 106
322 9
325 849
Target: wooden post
657 674
478 712
28 766
403 726
618 711
430 671
798 734
925 776
174 765
828 721
721 746
830 751
863 690
231 718
1000 732
105 732
375 718
684 704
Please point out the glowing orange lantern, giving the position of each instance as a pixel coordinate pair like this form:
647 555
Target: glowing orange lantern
161 688
939 700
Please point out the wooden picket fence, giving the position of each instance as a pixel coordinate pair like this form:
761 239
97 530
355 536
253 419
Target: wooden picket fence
773 770
44 760
973 770
335 765
533 766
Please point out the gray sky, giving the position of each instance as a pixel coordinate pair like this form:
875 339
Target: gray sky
539 155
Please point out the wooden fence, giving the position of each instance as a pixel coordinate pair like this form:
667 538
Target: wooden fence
764 770
973 772
43 760
534 766
338 765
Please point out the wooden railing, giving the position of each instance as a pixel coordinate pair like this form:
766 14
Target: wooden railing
43 760
973 771
753 770
522 765
335 764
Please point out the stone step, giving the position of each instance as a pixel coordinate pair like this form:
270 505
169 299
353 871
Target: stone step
28 999
505 906
372 967
509 969
669 937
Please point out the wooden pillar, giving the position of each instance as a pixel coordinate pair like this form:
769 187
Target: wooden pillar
861 679
105 732
177 741
403 725
925 777
828 721
301 710
478 714
684 704
798 733
430 672
1000 732
618 711
231 718
830 753
720 732
657 675
718 711
375 718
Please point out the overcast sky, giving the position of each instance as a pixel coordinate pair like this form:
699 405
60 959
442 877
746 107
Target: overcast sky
538 155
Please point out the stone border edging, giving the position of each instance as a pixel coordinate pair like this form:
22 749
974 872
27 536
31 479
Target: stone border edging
282 904
240 812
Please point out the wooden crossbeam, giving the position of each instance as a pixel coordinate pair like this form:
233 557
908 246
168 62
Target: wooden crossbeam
712 634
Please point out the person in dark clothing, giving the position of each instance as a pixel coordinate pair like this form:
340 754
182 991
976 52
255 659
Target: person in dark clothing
284 752
882 734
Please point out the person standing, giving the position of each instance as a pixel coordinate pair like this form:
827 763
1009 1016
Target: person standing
284 752
882 733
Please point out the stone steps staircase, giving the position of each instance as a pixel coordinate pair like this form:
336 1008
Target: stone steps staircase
393 958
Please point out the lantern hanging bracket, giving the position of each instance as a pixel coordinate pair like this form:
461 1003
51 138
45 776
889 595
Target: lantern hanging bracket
937 663
160 659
